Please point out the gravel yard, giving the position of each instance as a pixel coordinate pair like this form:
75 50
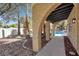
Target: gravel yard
14 47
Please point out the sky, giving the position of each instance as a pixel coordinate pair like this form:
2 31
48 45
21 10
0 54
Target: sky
22 13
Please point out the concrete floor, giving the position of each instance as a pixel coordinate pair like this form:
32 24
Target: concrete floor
53 48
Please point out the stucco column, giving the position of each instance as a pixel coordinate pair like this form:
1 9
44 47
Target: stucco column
43 28
47 30
53 29
36 38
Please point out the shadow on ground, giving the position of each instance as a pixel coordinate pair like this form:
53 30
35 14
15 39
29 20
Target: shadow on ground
15 49
69 48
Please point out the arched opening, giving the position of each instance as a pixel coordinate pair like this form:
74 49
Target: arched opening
56 22
59 18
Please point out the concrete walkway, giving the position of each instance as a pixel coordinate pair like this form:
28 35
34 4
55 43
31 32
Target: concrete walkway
53 48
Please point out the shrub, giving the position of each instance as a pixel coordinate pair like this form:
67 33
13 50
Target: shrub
12 25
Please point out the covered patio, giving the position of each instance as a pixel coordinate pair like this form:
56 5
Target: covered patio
55 13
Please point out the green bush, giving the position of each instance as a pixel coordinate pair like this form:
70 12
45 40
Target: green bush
12 25
1 23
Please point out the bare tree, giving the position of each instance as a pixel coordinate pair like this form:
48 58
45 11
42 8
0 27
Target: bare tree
26 23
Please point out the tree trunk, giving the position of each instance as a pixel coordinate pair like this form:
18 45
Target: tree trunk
18 26
26 24
26 27
18 23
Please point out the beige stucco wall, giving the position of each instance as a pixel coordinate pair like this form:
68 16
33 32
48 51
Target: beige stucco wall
74 33
72 28
77 19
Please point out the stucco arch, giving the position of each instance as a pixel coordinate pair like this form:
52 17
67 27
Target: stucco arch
40 13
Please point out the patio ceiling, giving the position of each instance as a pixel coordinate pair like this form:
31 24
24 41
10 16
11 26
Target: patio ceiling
60 13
